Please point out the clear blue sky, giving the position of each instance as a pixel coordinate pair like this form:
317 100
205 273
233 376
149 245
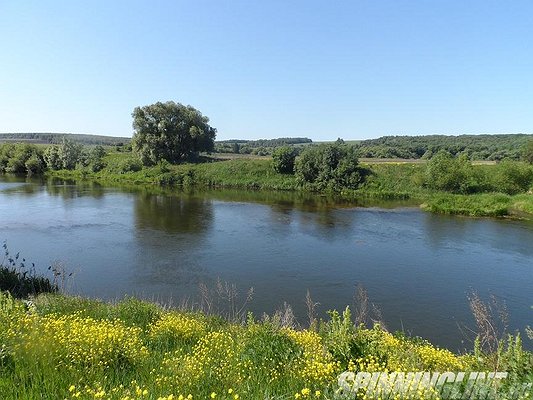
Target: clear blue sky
265 69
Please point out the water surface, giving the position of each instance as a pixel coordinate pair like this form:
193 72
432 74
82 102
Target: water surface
418 268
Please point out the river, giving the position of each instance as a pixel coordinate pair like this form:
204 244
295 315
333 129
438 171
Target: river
418 268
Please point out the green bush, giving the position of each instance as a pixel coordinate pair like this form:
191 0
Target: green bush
52 159
527 153
330 167
283 160
34 165
130 164
67 155
21 159
512 177
451 174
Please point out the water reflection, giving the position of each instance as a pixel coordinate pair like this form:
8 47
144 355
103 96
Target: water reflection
170 230
69 189
184 213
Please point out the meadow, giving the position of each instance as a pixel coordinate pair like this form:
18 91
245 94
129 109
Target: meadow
62 347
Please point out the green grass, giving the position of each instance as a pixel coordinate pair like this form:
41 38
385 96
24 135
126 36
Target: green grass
522 204
63 347
237 173
474 205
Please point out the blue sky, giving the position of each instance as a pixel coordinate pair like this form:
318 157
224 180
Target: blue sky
265 69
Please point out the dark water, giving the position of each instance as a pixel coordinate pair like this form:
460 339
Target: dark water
418 268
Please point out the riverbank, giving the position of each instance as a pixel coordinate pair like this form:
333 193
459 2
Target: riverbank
59 346
387 181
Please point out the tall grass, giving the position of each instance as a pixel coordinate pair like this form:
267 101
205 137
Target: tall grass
19 277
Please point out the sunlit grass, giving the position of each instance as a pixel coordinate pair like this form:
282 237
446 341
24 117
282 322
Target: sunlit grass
74 348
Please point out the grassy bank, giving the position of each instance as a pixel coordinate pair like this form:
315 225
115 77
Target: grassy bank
62 347
237 173
387 181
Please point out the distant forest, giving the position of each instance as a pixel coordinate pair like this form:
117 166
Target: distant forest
261 147
476 147
56 138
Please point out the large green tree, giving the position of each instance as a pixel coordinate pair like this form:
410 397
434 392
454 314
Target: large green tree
170 131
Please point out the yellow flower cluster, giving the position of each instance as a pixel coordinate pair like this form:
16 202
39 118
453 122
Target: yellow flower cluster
215 358
316 365
382 393
72 340
368 364
306 392
177 327
435 359
134 391
405 355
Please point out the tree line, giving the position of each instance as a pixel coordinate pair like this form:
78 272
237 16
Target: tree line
30 159
474 147
57 138
261 147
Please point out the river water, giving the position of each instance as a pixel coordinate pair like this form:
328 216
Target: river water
418 268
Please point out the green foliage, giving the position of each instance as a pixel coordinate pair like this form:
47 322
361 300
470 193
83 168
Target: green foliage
52 159
527 153
35 165
258 147
266 345
70 153
57 138
475 147
21 159
330 167
64 156
170 131
522 204
21 281
475 205
451 174
130 164
338 336
135 312
511 177
95 158
283 160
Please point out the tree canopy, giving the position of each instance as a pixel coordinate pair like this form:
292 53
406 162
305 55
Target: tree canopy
170 131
